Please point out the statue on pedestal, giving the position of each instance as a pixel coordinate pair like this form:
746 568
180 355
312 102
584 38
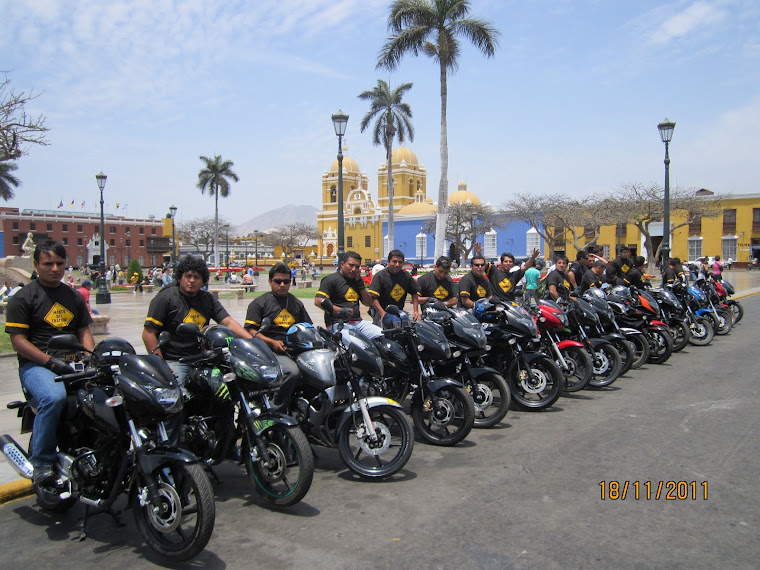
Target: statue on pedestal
28 246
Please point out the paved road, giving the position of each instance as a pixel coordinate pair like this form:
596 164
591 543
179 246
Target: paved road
523 495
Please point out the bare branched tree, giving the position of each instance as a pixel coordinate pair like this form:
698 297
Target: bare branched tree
290 237
464 223
200 233
17 129
541 212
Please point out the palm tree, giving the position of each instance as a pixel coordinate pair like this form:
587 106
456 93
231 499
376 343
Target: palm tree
393 121
214 178
433 27
7 180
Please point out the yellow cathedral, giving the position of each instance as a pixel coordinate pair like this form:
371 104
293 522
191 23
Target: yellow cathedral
364 217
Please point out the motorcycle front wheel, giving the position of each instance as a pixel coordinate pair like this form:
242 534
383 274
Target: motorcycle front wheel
701 331
181 526
446 417
660 346
680 332
641 350
284 475
627 352
737 310
607 365
579 369
536 386
491 397
725 321
382 455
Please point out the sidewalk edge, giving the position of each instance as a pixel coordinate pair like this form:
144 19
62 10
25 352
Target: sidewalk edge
15 490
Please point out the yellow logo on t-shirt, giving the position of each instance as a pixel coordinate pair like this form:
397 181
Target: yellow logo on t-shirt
195 317
352 295
59 316
441 293
505 284
480 291
567 284
624 268
397 292
284 319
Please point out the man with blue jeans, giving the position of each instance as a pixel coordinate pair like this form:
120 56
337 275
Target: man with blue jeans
46 307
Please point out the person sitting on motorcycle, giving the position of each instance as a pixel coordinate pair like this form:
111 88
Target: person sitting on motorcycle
673 272
475 284
283 309
635 277
504 277
594 277
345 289
390 286
623 264
557 283
437 285
579 268
184 302
45 307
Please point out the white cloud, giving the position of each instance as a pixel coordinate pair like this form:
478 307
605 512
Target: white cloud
695 17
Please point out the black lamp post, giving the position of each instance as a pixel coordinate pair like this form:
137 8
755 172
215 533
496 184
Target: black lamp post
227 249
339 120
103 295
666 134
173 210
256 236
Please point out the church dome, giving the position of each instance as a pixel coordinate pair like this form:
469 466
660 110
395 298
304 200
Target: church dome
463 196
349 165
404 154
418 209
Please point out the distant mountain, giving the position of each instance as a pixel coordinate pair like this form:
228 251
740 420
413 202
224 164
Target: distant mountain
279 216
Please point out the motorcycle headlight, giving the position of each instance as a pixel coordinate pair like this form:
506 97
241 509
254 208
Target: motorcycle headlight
169 397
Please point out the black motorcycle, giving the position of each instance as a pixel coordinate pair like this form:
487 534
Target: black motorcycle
113 440
227 399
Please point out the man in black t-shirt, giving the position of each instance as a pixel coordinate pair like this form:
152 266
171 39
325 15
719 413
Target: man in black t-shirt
185 302
673 272
474 285
594 277
46 307
391 286
623 264
578 268
557 283
436 285
345 289
283 309
635 276
503 278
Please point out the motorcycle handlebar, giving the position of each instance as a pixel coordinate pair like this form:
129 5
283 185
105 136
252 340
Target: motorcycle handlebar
205 355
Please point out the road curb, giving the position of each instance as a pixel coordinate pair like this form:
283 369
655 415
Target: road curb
15 490
746 294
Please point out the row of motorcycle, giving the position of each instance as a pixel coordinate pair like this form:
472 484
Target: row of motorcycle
131 430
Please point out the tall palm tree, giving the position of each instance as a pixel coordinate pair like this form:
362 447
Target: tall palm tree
433 28
215 178
393 120
7 180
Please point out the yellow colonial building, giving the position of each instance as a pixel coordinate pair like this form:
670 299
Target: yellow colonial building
734 234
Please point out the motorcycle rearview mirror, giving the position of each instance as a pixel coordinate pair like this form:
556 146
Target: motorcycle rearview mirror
66 342
188 329
266 323
393 310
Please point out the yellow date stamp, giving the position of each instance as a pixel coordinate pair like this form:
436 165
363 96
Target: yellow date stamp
653 490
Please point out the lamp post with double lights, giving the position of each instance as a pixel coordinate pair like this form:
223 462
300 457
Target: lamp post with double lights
103 296
339 120
173 211
666 134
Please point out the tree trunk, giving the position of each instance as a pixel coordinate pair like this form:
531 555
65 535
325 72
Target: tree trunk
391 239
216 225
443 186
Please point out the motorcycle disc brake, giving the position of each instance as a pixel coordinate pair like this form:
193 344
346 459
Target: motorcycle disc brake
380 444
483 397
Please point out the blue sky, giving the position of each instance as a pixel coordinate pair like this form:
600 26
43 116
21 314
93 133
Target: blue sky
139 89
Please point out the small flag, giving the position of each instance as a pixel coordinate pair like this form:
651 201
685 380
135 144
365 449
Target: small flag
117 205
124 207
83 205
61 204
72 202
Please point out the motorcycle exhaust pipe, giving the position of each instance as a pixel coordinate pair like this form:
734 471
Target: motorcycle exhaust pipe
16 456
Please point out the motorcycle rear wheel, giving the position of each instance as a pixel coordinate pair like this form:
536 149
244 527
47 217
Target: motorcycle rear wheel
388 454
450 416
580 369
681 333
536 388
184 526
491 397
660 346
283 477
607 365
702 331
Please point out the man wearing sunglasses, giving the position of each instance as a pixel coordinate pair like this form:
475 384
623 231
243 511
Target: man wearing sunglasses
185 302
475 284
283 309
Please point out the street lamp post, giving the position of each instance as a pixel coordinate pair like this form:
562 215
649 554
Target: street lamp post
339 120
173 210
256 258
227 249
666 134
103 296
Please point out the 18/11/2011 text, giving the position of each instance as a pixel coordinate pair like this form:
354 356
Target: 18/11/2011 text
648 490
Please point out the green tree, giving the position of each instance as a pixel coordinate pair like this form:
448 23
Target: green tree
214 178
134 267
7 180
392 120
434 27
